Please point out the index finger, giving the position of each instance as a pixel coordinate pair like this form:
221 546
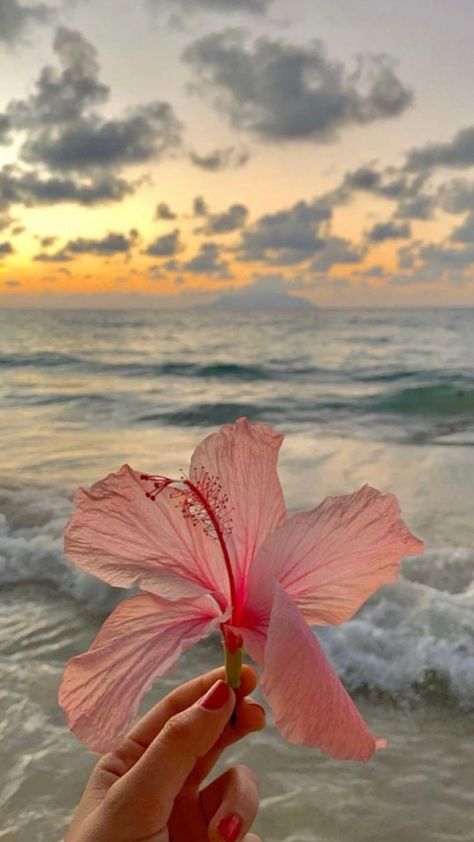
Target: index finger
117 763
145 731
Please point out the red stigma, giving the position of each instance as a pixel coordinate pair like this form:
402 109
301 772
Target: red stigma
159 483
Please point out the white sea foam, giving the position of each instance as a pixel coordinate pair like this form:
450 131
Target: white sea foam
31 547
415 636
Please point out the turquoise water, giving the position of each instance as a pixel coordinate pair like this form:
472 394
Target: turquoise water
361 396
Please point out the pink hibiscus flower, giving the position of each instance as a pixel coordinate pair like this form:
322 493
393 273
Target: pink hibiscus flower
217 550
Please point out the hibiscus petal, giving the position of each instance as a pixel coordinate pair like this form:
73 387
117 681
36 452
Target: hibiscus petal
310 706
331 559
244 456
140 641
125 538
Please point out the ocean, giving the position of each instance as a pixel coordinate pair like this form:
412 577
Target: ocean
384 397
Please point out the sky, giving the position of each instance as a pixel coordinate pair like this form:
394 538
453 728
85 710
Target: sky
167 152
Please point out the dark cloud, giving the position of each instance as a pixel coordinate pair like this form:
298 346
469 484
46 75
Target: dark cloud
208 262
390 183
17 230
66 132
254 6
420 207
395 185
457 196
163 211
376 271
458 153
435 262
12 283
165 246
6 248
288 236
28 188
61 95
220 159
222 223
406 256
287 92
465 232
146 133
107 246
59 257
200 207
15 19
5 126
333 252
389 231
47 242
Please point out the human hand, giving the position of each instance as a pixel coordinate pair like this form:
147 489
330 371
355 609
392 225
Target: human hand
148 789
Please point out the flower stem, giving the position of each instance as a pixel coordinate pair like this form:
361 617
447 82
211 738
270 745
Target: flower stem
233 667
233 671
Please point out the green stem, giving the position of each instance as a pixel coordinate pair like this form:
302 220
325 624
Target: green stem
233 671
233 667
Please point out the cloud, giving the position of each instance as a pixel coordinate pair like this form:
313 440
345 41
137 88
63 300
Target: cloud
392 184
420 207
200 207
163 211
16 19
458 153
288 92
208 262
465 232
222 223
165 246
107 246
389 231
65 131
47 242
288 236
435 263
146 133
59 257
254 6
220 159
5 220
12 283
61 95
111 244
335 251
28 188
5 126
5 249
457 196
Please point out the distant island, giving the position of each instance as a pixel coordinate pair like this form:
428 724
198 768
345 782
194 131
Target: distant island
253 299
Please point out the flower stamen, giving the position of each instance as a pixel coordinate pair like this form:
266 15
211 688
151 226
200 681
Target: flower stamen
202 500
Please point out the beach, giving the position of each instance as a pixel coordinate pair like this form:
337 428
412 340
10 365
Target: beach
384 397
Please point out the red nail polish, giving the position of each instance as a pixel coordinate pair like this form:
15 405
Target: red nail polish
216 697
230 827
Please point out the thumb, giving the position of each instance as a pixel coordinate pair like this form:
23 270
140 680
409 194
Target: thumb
159 775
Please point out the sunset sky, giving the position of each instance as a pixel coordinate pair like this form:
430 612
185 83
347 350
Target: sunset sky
162 152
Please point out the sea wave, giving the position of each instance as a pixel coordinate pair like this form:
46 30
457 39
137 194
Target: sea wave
412 640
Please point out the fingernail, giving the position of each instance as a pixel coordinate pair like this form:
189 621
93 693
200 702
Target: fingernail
259 707
216 697
230 827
